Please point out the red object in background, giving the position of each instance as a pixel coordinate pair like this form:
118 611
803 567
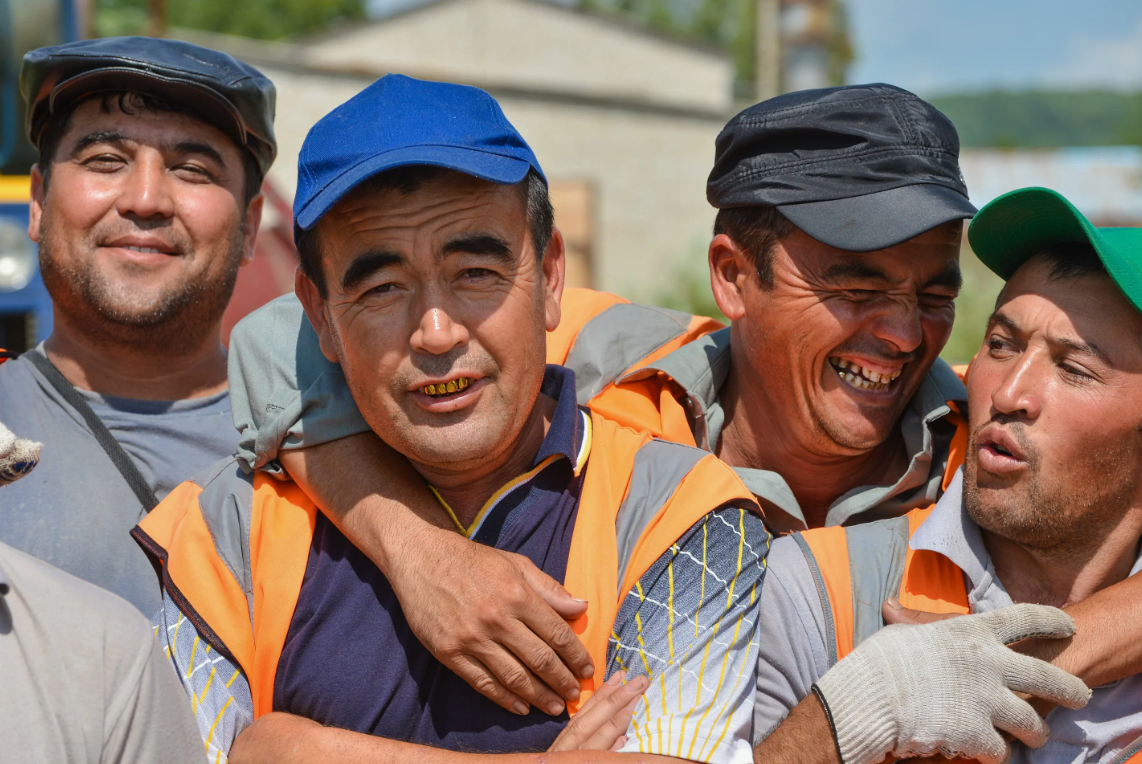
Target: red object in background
270 273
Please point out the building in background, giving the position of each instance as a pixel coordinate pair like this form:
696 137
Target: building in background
622 120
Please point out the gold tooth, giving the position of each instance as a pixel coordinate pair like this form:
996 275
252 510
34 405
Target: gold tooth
461 383
430 389
451 387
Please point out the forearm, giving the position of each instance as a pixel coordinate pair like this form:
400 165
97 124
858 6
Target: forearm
368 490
1105 646
283 739
805 737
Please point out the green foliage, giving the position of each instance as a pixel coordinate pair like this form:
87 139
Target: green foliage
263 19
1044 119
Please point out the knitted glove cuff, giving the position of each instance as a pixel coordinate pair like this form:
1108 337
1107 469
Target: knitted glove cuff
858 703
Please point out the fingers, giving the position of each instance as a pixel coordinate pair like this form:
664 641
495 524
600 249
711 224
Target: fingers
511 671
610 712
894 612
1011 624
528 643
559 599
476 674
1041 679
993 750
1019 718
549 625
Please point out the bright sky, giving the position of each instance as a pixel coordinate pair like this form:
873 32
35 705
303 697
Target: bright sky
941 46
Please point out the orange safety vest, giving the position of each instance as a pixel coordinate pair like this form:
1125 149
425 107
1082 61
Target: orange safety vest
857 567
604 338
232 550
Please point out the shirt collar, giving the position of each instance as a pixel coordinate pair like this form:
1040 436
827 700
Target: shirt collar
701 367
950 531
568 437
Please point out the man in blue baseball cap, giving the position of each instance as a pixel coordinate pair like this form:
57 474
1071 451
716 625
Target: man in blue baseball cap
431 275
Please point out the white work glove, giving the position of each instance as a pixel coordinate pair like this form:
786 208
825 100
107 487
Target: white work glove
947 687
17 456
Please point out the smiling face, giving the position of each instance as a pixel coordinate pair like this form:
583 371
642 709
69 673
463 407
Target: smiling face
841 341
437 308
1055 401
143 224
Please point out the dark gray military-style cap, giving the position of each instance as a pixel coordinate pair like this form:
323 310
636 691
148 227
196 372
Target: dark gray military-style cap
860 168
221 90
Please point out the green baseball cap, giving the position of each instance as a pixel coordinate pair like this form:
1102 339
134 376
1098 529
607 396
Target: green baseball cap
1010 230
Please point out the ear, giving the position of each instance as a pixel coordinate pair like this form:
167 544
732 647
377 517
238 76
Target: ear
314 305
250 233
36 208
730 271
554 266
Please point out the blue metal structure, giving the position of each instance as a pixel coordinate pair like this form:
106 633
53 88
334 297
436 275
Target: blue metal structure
25 307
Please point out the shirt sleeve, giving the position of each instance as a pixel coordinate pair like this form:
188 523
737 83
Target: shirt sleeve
284 393
791 644
690 625
146 717
218 690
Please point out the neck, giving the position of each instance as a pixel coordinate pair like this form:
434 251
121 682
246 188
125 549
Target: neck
127 371
468 487
756 435
1069 572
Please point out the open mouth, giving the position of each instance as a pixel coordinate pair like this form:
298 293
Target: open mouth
862 378
444 389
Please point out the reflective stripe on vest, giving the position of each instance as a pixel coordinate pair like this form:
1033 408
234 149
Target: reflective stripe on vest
234 553
602 336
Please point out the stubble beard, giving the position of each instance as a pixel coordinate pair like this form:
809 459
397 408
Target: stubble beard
175 321
1066 519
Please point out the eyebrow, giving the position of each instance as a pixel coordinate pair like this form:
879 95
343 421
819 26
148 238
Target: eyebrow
114 137
364 266
197 147
951 277
854 270
1077 346
479 244
103 136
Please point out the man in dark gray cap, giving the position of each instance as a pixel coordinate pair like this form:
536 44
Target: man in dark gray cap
146 200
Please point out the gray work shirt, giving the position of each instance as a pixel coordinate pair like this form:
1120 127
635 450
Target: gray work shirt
83 679
75 511
286 394
793 654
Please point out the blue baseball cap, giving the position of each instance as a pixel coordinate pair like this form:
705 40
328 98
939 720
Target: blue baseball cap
399 121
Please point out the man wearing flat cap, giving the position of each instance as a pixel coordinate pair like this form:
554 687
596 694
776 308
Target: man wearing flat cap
145 201
835 255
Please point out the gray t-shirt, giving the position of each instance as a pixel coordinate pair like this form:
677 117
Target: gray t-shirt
75 511
82 677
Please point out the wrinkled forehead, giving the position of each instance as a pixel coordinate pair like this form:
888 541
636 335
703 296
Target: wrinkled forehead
124 117
1087 308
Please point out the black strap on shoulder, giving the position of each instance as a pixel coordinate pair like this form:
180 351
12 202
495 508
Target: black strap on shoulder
103 436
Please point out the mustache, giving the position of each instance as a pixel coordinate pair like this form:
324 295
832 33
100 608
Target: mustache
875 350
1018 432
468 358
172 238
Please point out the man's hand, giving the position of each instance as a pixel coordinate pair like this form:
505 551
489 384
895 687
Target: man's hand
947 687
602 722
492 617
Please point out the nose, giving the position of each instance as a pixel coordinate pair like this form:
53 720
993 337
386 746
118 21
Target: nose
437 333
147 193
899 324
1018 391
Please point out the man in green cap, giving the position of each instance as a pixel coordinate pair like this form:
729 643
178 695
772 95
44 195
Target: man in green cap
1047 508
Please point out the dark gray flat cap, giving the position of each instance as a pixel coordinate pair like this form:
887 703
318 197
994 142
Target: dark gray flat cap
216 87
860 168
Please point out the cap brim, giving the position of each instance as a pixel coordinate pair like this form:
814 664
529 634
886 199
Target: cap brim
494 168
212 106
1016 226
880 220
